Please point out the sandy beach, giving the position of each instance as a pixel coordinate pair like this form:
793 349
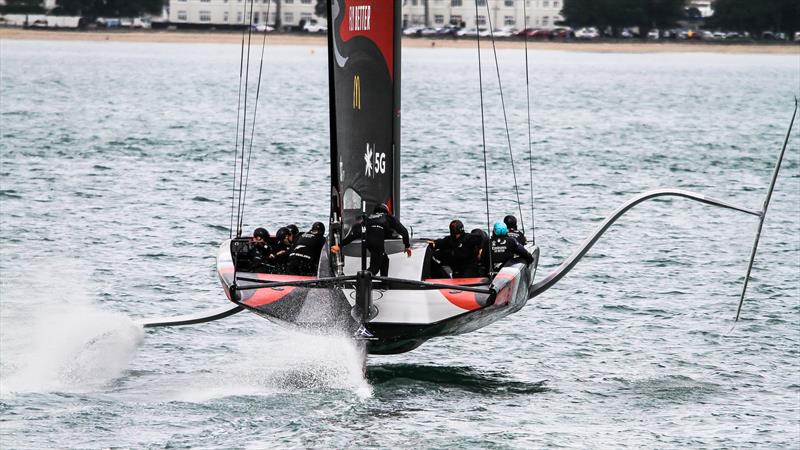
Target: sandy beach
234 37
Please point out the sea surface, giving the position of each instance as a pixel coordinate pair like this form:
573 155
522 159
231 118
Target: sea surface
115 184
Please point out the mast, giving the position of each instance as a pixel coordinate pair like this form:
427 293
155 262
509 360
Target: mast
364 83
398 28
335 200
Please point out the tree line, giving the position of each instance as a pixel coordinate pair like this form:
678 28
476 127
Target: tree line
619 14
753 16
733 15
757 16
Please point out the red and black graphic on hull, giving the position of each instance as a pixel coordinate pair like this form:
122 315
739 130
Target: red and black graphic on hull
462 299
260 297
315 308
504 295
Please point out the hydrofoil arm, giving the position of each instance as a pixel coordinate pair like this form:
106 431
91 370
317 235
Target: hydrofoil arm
191 319
570 262
587 244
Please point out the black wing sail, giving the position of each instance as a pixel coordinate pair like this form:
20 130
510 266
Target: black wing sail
364 69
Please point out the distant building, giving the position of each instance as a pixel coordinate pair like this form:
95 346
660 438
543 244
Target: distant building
46 4
232 12
705 7
502 13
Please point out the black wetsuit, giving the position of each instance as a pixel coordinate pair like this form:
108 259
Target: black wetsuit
280 259
505 249
258 257
304 257
461 254
518 236
486 248
379 226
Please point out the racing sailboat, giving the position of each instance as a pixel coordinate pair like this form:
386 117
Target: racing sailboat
414 302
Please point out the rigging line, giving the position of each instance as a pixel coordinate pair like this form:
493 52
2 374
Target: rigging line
236 145
505 116
255 109
530 135
483 132
244 121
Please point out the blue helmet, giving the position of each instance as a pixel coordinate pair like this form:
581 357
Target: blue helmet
500 229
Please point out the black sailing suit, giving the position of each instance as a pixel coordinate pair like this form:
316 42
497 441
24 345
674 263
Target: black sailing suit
304 257
379 226
258 257
460 253
280 256
518 236
505 249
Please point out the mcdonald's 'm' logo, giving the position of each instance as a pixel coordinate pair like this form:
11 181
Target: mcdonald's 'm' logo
356 92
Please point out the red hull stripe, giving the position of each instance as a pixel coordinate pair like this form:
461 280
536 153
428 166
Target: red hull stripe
266 296
464 300
263 297
457 281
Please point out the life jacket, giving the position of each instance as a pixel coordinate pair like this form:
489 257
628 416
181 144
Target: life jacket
377 226
281 252
502 251
459 252
308 246
259 257
518 236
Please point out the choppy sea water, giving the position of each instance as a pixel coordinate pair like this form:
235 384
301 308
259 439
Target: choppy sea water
115 182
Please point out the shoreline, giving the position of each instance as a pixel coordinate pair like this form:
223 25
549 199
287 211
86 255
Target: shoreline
235 37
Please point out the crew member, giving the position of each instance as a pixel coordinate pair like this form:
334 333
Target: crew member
483 255
295 233
505 249
259 252
513 232
304 257
379 225
459 250
281 249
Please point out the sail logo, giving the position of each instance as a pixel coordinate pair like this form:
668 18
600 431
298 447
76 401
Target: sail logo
375 162
356 92
360 18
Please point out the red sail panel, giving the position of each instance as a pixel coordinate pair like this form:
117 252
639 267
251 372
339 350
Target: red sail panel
373 19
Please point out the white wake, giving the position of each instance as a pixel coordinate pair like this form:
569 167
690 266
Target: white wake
55 338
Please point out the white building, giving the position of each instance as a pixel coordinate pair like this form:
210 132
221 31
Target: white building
233 12
706 7
46 4
503 13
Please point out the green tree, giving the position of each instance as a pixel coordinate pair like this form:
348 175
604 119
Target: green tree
618 14
321 8
659 14
71 7
22 7
755 17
